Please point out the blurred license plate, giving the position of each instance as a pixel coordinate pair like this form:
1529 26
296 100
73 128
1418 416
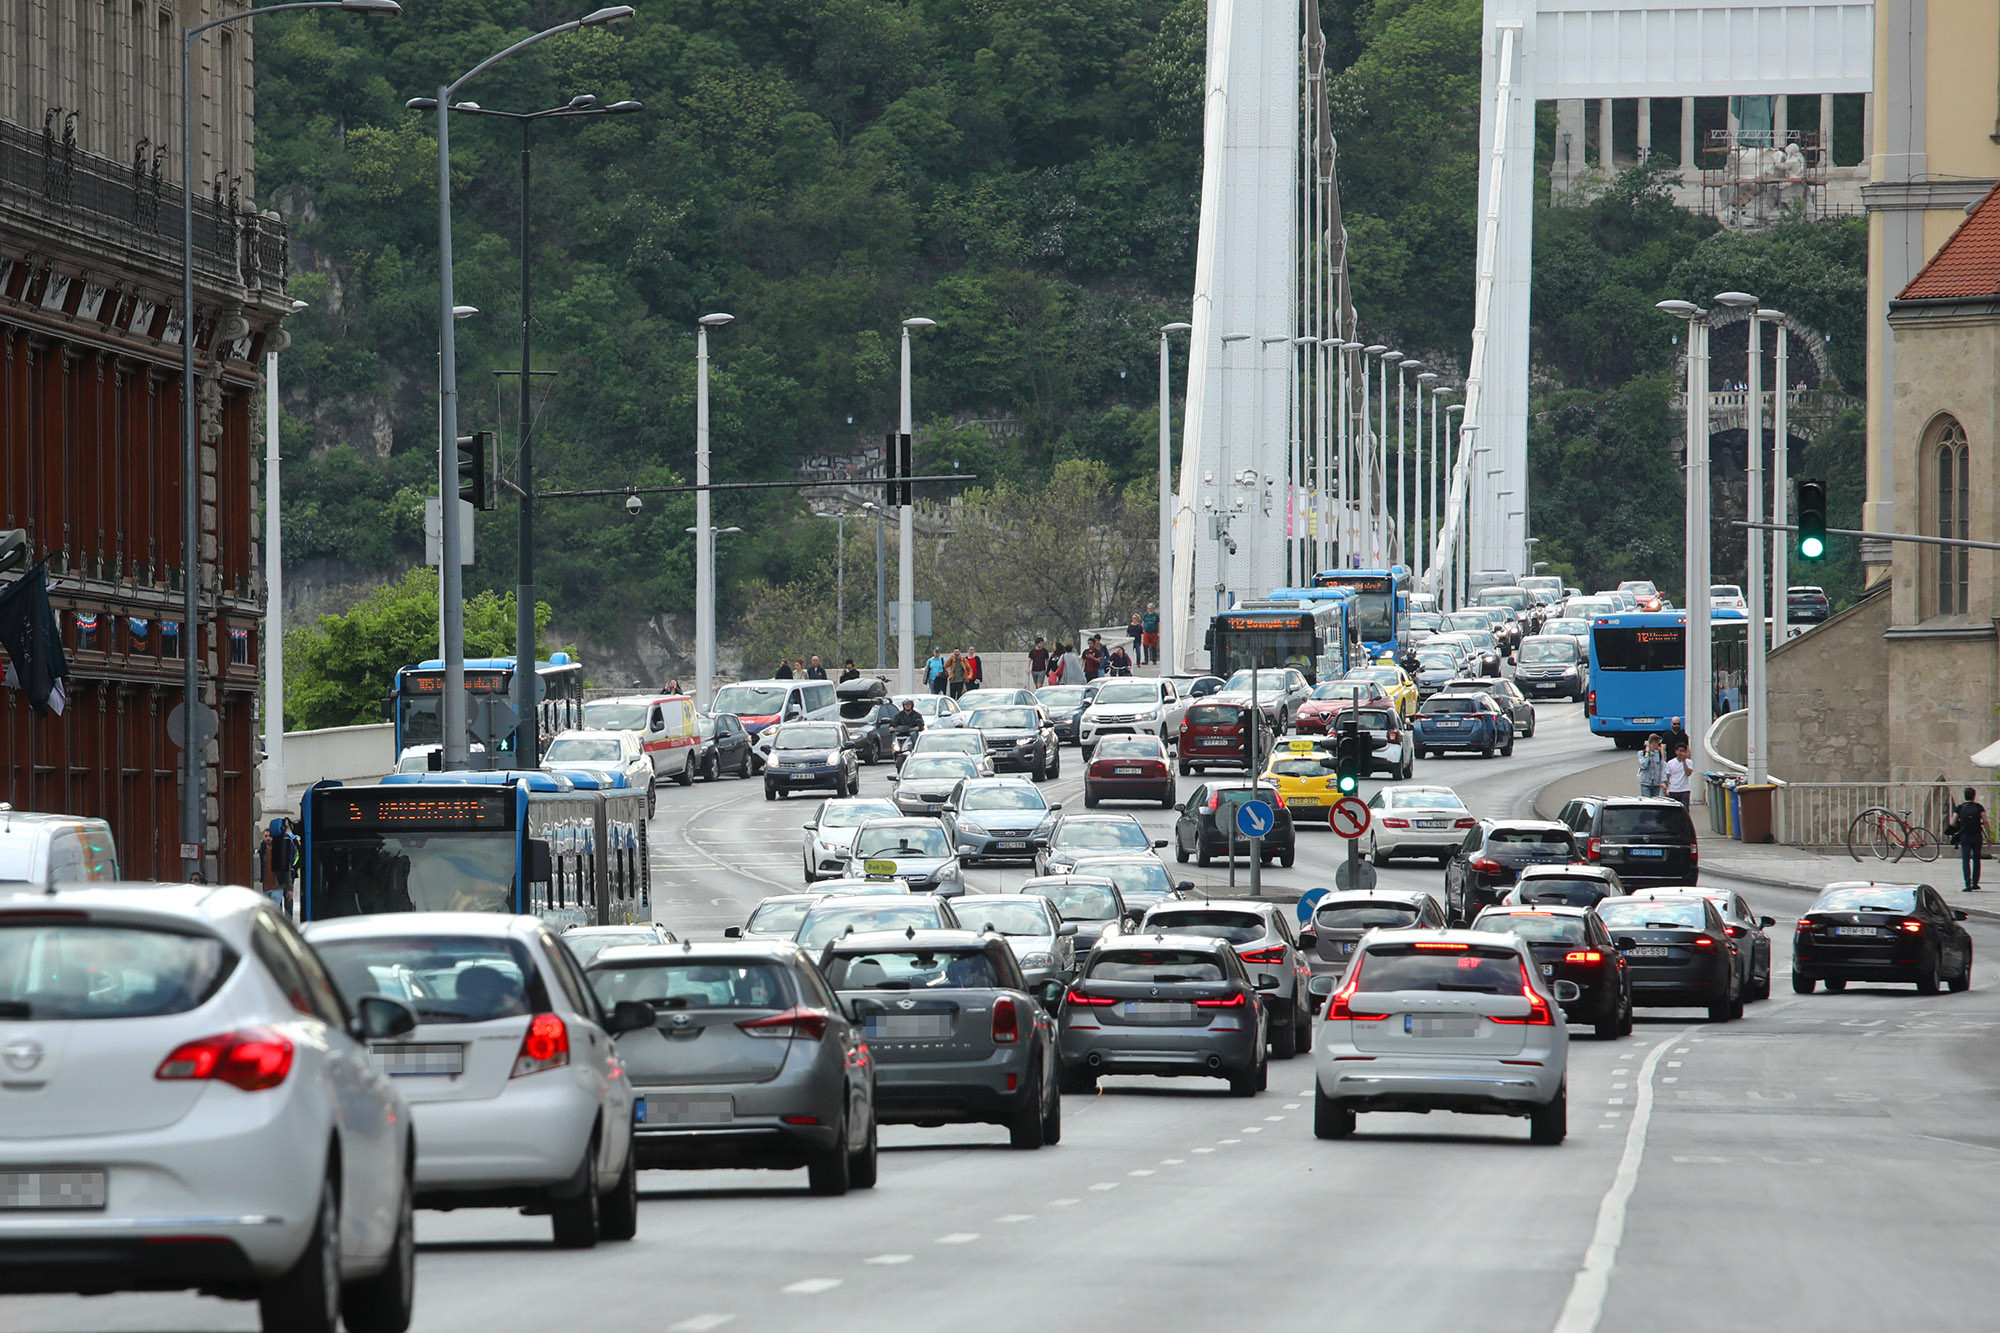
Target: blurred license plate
1548 969
1011 845
1649 951
419 1059
1645 721
1123 771
1430 823
685 1110
1216 740
1448 725
1646 851
1151 1011
21 1190
1448 1025
1307 800
908 1027
1854 930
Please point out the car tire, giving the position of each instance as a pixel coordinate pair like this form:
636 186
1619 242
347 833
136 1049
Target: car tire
383 1303
1244 1084
1302 1027
1529 734
1507 750
1625 1024
1736 1007
1333 1118
865 1166
1089 799
652 801
305 1298
1802 984
826 1172
770 792
686 776
1052 1122
1723 1012
1288 856
1263 1074
1285 1041
1927 980
1186 768
1375 856
743 768
618 1211
1078 1082
1180 852
1835 987
1762 990
1549 1123
578 1222
1041 769
1486 753
1201 856
1024 1127
1055 763
1612 1026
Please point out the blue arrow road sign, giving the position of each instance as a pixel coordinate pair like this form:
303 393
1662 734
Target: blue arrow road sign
1253 818
1308 901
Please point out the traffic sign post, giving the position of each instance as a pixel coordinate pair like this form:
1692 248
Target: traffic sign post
1254 819
1354 873
1307 902
1349 818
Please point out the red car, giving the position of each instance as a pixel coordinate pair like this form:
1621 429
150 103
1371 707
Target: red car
1316 713
1216 735
1129 768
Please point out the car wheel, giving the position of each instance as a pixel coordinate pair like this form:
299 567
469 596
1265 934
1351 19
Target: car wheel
1052 1122
1835 986
1375 856
1625 1023
1762 990
383 1303
686 776
1736 1007
1333 1118
1244 1084
1507 750
1550 1123
1186 768
1055 762
1802 984
1723 1012
576 1222
1529 734
1201 857
1285 1041
1612 1025
1089 798
618 1211
652 801
1041 769
1288 856
306 1296
1180 852
826 1172
743 766
1927 980
1302 1027
1077 1082
1486 753
863 1167
1024 1127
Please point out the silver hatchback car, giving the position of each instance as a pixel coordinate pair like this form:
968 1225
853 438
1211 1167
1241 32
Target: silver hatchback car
1261 933
1443 1020
954 1032
1043 943
747 1060
1173 1005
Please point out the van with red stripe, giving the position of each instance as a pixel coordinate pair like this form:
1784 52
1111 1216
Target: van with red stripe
665 723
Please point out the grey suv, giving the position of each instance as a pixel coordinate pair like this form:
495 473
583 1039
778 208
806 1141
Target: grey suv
1261 934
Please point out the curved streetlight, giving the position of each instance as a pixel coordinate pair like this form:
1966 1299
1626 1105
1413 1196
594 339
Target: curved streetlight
704 522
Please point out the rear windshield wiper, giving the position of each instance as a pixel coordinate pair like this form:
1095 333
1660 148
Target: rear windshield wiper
1668 925
15 1009
1475 990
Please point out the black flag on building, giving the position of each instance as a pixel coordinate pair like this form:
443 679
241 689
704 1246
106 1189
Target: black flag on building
33 640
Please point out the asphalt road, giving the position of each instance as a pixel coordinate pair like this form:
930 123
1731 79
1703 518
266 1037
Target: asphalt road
1828 1162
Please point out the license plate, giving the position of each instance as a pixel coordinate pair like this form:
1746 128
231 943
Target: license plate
909 1027
1855 930
1646 851
1347 947
1307 800
1158 1013
1122 772
1645 721
1014 845
1430 823
1216 740
933 807
1646 951
1448 1025
67 1191
658 1110
1448 726
419 1060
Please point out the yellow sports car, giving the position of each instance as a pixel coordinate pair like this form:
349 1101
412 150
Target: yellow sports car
1392 678
1305 776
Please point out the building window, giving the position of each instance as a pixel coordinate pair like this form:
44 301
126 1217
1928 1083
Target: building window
170 638
239 647
86 631
1950 465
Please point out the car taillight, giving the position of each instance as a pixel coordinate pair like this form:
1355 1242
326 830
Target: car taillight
1338 1004
1236 1001
1735 932
1275 954
1395 737
1590 704
1467 822
1078 997
799 1020
1538 1008
1006 1023
1911 927
1214 801
1486 865
252 1059
1593 848
545 1045
1395 823
1586 956
1694 852
1804 927
1704 944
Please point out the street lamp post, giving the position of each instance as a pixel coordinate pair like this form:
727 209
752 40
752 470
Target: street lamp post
1427 519
274 591
1387 544
1700 702
191 814
906 651
1404 509
705 536
704 520
451 575
881 590
1371 472
1781 482
1454 452
1165 605
1756 756
1223 510
1350 448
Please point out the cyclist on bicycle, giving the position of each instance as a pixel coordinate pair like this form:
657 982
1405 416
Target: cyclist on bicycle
1969 829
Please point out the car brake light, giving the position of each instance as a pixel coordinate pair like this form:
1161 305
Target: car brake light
1704 943
1486 865
799 1021
1583 956
1593 849
1215 801
545 1045
1450 946
1078 997
1804 927
1006 1023
1235 1001
1395 823
1395 737
1466 822
252 1059
1538 1008
1735 932
1337 1004
1694 852
1911 926
1275 954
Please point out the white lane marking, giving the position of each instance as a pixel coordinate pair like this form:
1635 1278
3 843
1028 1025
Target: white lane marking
1291 1106
1270 1118
1251 1129
1669 1078
810 1286
1616 1101
1177 1161
1592 1284
1105 1185
1015 1217
701 1323
1142 1171
958 1238
887 1260
1205 1149
1062 1203
1673 1064
1229 1140
1303 1092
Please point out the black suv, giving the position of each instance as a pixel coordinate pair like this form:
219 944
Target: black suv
1492 857
1207 828
1649 841
1806 604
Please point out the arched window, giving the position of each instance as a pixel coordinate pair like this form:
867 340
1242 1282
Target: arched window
1949 463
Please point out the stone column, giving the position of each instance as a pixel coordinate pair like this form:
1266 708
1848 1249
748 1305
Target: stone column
1688 160
1604 162
1645 128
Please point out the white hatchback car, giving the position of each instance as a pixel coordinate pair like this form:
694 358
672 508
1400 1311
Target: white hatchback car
185 1102
518 1094
1442 1020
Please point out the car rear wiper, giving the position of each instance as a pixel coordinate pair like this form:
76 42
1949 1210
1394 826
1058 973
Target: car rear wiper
15 1009
1877 907
890 985
1474 990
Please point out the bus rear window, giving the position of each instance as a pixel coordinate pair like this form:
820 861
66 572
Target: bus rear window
1640 648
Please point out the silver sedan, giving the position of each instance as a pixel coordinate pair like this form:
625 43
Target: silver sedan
1416 820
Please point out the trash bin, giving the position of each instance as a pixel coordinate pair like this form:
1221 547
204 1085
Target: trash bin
1718 805
1731 813
1753 805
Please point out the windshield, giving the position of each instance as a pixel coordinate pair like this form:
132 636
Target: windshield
1535 927
583 750
1513 599
1130 747
852 814
1011 797
795 737
976 699
1638 588
901 840
1468 621
1365 915
950 742
1373 615
1727 590
1062 698
1637 648
72 970
1573 627
587 947
1483 971
1139 882
1236 927
1101 837
1436 662
1414 798
1009 916
750 700
1129 692
938 766
1548 650
1648 914
1866 898
1019 719
614 717
914 969
825 924
779 916
691 984
1160 967
445 978
1078 901
355 874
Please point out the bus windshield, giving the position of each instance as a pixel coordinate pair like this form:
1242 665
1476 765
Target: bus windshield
356 873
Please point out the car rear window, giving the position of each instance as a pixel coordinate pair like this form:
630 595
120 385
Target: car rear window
1364 916
1106 837
828 924
1138 882
587 947
1448 704
778 918
445 978
1535 927
1214 715
1160 967
1650 914
1568 892
1638 821
1302 767
914 969
77 970
1024 719
695 984
1438 967
1236 927
1130 747
1527 837
1866 898
1078 902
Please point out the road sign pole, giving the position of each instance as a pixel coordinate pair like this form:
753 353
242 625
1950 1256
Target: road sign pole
1256 867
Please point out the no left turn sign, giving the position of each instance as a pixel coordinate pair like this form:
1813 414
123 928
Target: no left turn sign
1349 817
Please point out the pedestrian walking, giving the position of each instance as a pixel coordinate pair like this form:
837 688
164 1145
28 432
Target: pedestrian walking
1070 666
1038 664
1135 630
784 671
1150 627
1968 828
1093 658
975 670
934 672
1677 738
1653 767
1680 777
954 667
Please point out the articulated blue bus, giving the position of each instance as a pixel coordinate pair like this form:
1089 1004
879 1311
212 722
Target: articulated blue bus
567 846
417 705
1380 603
1638 671
1311 631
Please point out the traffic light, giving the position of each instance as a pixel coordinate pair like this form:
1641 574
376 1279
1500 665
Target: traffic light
1347 758
1812 520
476 462
896 469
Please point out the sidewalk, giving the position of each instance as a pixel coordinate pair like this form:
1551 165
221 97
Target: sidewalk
1773 864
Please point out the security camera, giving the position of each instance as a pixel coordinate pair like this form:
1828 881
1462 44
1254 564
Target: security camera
1229 544
633 504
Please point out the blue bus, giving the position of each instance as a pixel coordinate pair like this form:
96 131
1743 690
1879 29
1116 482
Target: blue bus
1380 603
1638 671
1313 633
567 846
417 702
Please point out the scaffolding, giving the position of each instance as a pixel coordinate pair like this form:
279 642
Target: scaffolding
1752 178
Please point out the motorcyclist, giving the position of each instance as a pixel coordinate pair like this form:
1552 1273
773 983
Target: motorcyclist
909 721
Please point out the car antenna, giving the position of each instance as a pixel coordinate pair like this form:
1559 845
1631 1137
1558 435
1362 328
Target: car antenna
687 946
909 932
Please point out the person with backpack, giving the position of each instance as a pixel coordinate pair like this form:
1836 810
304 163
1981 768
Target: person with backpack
934 672
1968 828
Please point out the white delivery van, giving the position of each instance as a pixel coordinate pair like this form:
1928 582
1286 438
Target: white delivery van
665 723
43 849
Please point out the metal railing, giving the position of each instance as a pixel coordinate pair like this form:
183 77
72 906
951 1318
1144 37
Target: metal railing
1817 814
45 176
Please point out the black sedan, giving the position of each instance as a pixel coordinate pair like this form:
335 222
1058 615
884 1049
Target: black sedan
1747 929
1492 857
721 746
1207 825
1020 737
1679 953
1881 932
1571 944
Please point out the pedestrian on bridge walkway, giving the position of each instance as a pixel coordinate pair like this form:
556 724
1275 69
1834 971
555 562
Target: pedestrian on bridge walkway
1969 829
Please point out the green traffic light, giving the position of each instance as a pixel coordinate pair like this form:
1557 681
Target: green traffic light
1812 548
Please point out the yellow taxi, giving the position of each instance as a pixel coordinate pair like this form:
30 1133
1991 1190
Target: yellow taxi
1305 776
1395 681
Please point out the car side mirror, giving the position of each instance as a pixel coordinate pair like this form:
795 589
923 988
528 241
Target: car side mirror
1052 993
378 1018
732 932
1265 981
1767 921
629 1016
1568 992
541 861
1959 914
1057 806
1067 928
1322 986
1159 842
810 828
1623 942
1308 939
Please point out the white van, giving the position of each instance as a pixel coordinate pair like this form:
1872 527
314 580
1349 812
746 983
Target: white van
42 850
665 723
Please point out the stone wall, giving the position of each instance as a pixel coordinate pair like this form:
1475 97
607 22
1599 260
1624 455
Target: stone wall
1829 699
1941 705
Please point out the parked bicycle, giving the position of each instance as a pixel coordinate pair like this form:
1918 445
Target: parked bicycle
1890 836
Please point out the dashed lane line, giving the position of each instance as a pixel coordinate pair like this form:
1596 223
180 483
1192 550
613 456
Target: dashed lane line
889 1260
958 1238
810 1286
701 1323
